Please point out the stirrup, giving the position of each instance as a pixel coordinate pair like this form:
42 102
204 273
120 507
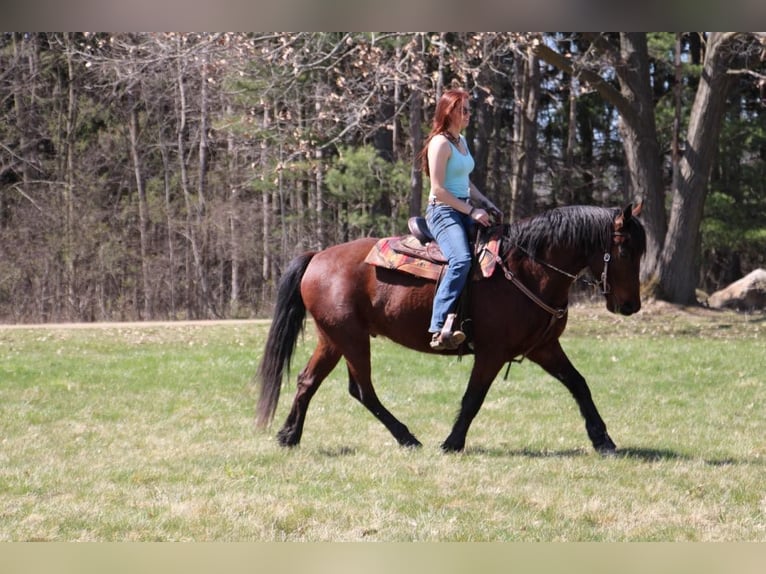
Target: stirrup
447 341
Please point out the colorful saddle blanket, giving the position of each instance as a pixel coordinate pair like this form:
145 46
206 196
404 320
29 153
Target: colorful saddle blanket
407 254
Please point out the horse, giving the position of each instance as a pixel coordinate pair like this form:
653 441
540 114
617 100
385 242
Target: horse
518 311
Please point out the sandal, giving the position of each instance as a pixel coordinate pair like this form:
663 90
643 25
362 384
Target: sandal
447 341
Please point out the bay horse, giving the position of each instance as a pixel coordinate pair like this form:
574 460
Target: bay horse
520 310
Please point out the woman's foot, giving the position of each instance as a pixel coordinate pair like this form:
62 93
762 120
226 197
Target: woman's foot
447 341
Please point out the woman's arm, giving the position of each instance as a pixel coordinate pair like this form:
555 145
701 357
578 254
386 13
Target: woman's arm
482 200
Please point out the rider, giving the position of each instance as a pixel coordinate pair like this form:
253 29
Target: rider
454 206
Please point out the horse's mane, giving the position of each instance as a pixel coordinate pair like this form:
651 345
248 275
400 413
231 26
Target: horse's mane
583 226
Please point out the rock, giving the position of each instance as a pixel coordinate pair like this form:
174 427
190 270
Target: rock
747 293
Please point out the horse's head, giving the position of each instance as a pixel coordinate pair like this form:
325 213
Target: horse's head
619 267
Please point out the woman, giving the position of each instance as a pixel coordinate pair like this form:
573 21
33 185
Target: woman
455 205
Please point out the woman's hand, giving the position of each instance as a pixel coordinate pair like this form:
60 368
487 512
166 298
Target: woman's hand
493 210
480 216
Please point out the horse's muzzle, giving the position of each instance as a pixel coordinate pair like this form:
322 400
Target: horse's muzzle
627 308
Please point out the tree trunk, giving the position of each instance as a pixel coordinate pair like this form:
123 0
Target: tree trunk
568 179
232 197
481 129
318 184
524 158
642 153
416 172
172 287
675 142
678 269
23 75
416 129
143 212
637 127
441 64
191 233
68 190
202 189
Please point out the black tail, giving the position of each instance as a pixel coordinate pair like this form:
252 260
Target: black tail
287 324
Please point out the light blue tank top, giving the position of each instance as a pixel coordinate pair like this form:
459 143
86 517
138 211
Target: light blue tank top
459 167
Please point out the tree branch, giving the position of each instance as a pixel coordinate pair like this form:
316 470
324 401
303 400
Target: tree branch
607 91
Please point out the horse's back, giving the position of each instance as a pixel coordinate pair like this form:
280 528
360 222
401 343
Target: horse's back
342 291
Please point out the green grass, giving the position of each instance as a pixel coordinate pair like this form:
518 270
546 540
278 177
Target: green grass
146 433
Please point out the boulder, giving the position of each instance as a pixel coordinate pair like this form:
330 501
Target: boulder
745 294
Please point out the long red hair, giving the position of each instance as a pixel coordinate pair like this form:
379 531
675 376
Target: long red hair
442 119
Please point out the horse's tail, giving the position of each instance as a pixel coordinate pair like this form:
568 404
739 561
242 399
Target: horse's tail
287 324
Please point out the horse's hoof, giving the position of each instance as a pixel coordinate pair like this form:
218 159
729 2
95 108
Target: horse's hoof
447 446
412 443
606 448
286 439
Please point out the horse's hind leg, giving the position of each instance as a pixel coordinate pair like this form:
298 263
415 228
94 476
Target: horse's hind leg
370 400
321 363
360 387
553 359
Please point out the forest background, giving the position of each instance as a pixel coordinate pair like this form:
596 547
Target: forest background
168 175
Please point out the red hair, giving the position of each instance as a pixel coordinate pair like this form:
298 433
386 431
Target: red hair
442 119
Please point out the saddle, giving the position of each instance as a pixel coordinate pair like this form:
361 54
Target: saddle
418 254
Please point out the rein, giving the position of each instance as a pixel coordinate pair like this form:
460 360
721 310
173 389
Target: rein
556 313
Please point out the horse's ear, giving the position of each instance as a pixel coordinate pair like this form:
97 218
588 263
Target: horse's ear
635 211
619 221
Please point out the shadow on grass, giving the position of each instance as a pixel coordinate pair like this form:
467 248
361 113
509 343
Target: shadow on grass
650 454
640 454
633 453
524 452
338 452
661 454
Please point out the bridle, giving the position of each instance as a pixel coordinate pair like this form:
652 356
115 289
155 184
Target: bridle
617 238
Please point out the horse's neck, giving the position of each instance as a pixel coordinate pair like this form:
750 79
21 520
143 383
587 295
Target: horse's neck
569 261
565 262
554 270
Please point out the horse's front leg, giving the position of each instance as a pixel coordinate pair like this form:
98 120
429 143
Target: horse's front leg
553 359
482 376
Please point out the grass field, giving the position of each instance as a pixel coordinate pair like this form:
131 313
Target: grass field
145 432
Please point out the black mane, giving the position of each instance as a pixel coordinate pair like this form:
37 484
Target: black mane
582 226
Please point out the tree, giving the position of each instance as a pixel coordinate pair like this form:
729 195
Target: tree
524 155
677 270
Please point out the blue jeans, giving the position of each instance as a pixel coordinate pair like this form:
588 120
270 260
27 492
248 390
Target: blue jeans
450 229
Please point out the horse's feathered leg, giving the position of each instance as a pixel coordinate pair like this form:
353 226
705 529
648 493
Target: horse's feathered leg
553 359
